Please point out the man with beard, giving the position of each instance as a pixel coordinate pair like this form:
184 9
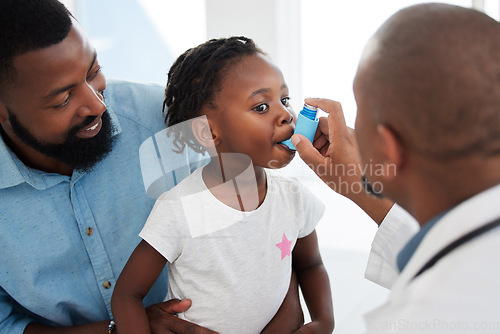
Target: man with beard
428 95
72 194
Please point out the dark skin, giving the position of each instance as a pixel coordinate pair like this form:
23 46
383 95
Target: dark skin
146 264
160 316
410 119
162 319
313 280
335 145
56 89
244 114
71 69
459 127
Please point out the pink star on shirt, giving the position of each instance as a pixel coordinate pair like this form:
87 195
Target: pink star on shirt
285 246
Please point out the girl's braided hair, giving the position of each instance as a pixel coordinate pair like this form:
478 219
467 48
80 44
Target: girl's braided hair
195 78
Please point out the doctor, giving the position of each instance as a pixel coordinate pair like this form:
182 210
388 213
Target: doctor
428 128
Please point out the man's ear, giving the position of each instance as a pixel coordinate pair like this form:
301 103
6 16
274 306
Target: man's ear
392 149
203 133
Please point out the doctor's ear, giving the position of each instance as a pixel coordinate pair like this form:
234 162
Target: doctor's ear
393 150
203 132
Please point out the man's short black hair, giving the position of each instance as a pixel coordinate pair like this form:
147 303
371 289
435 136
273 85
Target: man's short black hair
28 25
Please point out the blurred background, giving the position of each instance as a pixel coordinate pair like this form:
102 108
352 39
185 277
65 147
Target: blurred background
316 43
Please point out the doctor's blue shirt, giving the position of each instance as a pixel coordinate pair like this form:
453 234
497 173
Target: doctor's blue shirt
64 240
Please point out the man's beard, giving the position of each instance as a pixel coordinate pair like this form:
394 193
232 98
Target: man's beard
78 153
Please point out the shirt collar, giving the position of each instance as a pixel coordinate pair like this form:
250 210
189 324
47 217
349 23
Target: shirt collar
409 249
14 172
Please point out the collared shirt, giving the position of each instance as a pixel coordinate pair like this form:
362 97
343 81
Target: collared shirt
64 240
463 285
406 253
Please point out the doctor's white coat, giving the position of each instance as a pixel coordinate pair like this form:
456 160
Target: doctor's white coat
460 293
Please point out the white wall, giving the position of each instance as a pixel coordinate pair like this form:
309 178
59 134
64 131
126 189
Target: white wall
274 25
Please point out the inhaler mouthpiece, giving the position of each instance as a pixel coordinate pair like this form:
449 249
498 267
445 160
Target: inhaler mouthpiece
307 124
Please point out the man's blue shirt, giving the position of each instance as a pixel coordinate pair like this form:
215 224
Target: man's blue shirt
64 240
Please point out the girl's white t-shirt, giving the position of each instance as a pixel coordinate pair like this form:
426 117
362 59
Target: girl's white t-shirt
235 266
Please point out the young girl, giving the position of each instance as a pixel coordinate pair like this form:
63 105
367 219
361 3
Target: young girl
232 231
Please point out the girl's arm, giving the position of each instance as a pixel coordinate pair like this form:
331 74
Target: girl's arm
289 316
314 283
135 281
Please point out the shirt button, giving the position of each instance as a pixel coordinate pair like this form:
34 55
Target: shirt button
89 231
106 285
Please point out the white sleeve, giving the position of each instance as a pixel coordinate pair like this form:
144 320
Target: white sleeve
165 229
393 234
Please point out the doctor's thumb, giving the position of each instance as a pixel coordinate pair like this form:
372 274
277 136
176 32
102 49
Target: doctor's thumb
306 150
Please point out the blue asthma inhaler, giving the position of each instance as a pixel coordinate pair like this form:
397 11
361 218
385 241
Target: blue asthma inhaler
307 123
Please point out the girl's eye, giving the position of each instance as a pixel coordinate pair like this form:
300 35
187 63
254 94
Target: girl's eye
261 108
285 101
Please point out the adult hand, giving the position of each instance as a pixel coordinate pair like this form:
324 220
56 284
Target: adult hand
334 150
162 318
334 157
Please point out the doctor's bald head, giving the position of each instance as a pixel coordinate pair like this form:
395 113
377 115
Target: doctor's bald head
431 73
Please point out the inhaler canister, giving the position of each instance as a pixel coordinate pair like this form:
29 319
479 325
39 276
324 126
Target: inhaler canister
306 124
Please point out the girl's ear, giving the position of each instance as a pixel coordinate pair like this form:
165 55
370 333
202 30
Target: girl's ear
393 151
203 132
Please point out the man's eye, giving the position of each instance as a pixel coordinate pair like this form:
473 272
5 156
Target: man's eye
65 103
261 108
95 74
285 101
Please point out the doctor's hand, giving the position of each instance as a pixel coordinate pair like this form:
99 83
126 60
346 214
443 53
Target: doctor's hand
162 318
334 157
